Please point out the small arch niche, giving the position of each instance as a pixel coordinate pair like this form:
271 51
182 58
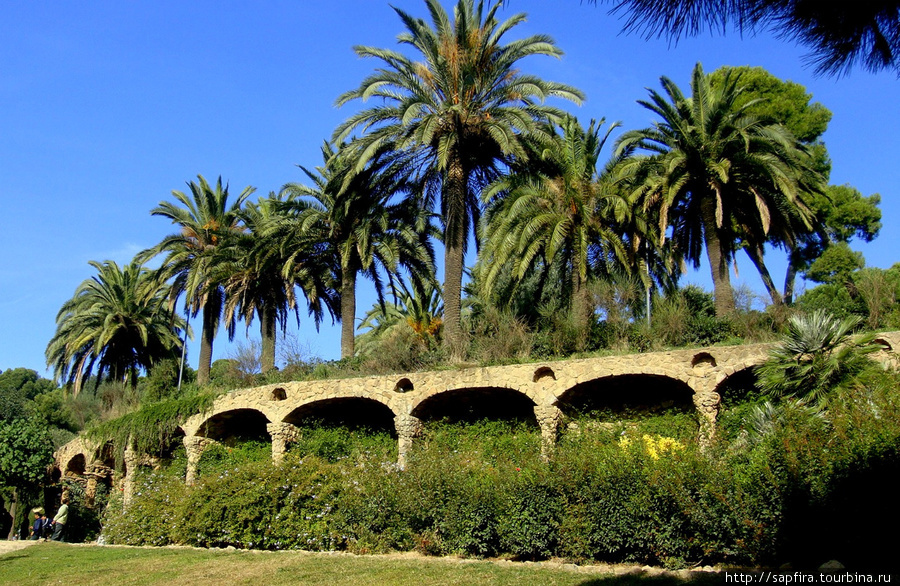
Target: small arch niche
404 385
543 372
703 359
278 394
885 345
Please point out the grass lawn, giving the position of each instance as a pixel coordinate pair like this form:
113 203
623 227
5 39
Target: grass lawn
72 565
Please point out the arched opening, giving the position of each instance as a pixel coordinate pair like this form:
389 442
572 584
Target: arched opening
76 466
703 358
237 426
404 385
543 372
173 446
345 427
278 394
475 404
631 403
739 398
346 412
740 387
625 395
107 456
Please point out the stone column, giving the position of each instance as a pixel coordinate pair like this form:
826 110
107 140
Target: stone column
92 473
131 464
282 434
707 404
548 417
194 446
408 427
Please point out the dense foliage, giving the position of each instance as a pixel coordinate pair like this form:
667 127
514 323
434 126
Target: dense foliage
639 491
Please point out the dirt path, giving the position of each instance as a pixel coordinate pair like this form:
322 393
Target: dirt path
8 546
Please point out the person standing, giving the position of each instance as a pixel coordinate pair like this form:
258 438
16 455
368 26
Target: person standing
59 521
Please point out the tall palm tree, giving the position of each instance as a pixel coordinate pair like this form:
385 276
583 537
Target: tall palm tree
118 321
360 214
841 34
205 219
460 110
715 173
563 212
250 270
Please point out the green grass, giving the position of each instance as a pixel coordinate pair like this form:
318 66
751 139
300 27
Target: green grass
52 563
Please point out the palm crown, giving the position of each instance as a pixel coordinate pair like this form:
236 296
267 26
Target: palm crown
458 111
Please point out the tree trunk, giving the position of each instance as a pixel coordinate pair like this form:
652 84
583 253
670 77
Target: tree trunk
13 508
267 333
581 308
455 233
718 260
348 312
755 252
790 277
210 317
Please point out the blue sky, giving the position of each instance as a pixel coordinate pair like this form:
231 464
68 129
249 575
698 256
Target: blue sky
106 107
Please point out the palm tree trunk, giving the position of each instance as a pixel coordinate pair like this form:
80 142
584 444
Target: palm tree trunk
206 340
755 252
718 260
454 194
267 333
348 312
790 277
581 309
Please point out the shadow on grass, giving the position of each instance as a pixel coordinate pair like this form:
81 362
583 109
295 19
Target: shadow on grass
698 579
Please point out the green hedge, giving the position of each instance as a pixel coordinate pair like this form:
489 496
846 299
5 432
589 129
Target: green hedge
813 489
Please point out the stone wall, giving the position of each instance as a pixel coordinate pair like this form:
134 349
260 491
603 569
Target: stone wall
544 387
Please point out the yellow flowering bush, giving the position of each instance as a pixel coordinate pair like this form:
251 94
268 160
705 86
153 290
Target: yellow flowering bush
654 445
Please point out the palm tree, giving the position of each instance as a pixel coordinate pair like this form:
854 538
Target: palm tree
458 111
563 213
250 270
420 309
840 33
715 173
118 321
357 213
818 354
206 220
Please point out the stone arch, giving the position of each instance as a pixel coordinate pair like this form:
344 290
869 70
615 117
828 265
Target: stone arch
737 385
175 441
106 455
77 465
474 403
703 359
623 393
885 343
234 426
404 385
278 394
352 412
543 372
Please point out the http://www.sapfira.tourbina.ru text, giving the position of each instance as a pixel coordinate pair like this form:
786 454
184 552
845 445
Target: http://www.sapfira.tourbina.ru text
805 578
